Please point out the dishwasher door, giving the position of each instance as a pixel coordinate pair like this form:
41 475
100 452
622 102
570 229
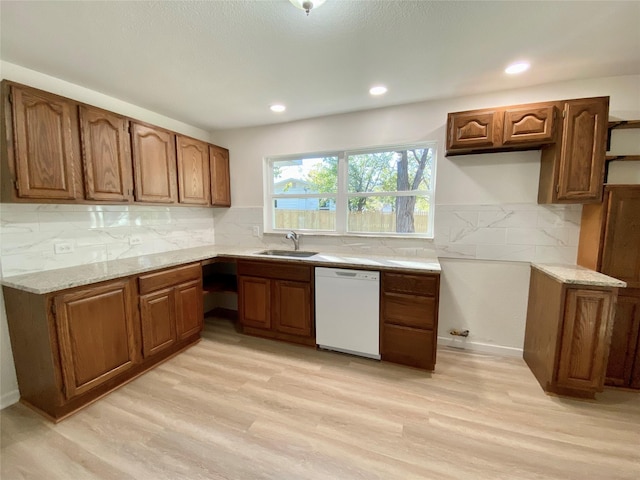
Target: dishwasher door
347 311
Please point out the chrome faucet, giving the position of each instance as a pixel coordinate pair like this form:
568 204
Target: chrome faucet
296 239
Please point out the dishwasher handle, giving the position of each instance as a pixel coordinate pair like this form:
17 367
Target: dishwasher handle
346 274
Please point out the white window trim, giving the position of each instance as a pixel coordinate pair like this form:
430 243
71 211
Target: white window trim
342 195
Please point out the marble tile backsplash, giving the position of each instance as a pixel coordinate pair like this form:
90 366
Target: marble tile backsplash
29 233
516 232
510 232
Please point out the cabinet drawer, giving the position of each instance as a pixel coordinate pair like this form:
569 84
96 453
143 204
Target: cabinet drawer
414 284
156 281
408 310
276 270
408 346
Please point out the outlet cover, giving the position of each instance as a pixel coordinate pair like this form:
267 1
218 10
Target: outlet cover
63 247
256 231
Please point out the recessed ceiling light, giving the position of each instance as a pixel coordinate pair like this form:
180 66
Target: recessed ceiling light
278 108
517 67
378 90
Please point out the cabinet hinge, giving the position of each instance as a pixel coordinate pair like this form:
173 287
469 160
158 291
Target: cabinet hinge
557 188
54 310
15 184
564 113
10 97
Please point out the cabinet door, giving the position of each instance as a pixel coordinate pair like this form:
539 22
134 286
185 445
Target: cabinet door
189 309
46 145
220 180
532 126
193 171
581 169
408 346
157 314
292 307
624 340
154 164
473 129
585 339
254 302
621 247
96 335
105 155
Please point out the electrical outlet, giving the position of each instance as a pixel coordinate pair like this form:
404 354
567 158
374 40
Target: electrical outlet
256 230
63 247
135 240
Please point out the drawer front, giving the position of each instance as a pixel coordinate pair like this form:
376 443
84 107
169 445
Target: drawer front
408 346
414 284
276 270
409 310
166 278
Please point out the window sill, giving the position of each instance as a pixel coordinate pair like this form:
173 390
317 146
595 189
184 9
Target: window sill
310 233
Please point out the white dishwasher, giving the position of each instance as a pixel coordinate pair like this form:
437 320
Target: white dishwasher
347 311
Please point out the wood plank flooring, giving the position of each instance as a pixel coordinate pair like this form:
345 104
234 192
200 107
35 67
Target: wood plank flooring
236 407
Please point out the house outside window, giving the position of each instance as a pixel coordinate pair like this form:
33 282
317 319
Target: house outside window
384 191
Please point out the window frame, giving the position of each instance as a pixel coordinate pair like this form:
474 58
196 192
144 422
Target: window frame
342 194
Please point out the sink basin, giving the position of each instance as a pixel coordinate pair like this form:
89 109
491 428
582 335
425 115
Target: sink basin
287 253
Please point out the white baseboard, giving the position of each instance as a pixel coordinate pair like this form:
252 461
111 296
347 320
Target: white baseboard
9 398
463 344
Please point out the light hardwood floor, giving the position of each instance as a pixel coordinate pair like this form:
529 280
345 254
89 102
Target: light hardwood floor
236 407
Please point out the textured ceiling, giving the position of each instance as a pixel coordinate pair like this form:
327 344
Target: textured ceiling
220 64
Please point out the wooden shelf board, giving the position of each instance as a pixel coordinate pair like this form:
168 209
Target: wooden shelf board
628 158
623 124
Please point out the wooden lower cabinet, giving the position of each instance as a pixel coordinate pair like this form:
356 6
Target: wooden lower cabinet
171 307
291 312
275 300
157 314
96 334
567 334
255 302
623 368
409 319
72 347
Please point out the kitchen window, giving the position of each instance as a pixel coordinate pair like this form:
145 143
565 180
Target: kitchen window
384 191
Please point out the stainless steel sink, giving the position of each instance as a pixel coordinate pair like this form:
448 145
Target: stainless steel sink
287 253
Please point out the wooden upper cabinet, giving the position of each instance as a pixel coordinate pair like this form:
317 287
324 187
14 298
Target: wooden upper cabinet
96 333
154 164
220 180
193 171
479 128
46 146
105 155
526 125
582 153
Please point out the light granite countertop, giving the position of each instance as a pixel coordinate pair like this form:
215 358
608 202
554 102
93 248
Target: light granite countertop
60 279
577 275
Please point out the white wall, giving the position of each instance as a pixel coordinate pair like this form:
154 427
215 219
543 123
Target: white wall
488 298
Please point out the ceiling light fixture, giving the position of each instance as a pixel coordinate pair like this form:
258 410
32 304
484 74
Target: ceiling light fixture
278 108
307 5
517 67
378 90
